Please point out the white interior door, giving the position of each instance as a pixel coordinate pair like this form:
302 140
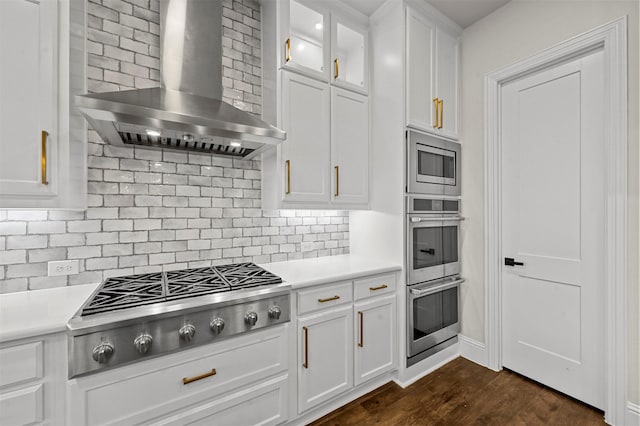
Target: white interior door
553 222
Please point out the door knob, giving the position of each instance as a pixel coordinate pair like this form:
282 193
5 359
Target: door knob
509 261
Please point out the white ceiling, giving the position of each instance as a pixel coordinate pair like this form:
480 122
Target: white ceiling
462 12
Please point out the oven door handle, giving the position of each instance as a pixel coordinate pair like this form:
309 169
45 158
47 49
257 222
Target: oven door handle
429 290
415 219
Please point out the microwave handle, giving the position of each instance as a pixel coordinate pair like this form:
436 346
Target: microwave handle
434 219
430 290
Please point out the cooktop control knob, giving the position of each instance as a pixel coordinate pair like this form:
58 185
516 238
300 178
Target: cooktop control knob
143 343
251 318
217 325
103 352
274 312
187 332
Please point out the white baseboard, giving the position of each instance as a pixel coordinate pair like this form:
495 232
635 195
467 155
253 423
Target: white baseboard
473 350
633 414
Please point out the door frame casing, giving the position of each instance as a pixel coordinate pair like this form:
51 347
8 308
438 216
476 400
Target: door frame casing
612 38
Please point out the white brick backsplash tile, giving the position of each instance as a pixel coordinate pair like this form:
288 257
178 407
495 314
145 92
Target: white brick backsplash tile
146 248
13 228
27 270
199 244
47 255
117 249
101 263
162 190
199 202
188 256
134 212
134 165
187 212
211 192
210 233
134 237
99 238
84 252
162 167
118 200
148 200
137 260
170 179
102 213
175 157
109 273
163 235
84 226
188 191
10 286
174 223
25 242
174 246
162 212
198 223
92 277
66 240
187 234
8 257
160 258
146 224
175 201
211 171
147 269
133 22
40 283
134 188
50 227
143 177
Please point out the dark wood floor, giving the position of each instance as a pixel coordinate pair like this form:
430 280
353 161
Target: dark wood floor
464 393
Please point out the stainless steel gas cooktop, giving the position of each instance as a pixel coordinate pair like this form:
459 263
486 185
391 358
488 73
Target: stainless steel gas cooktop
142 289
135 317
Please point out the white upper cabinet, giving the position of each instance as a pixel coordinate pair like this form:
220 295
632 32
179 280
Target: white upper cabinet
38 130
304 35
349 147
305 153
433 68
349 55
315 82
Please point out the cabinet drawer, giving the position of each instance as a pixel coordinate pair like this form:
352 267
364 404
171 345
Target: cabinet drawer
20 363
162 390
324 297
265 404
374 286
22 407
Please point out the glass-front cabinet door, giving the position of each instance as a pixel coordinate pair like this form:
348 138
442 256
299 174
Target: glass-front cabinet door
349 55
305 38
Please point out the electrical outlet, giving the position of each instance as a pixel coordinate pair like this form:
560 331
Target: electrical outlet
63 267
306 247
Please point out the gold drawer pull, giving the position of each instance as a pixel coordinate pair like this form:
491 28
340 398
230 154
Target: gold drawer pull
43 157
337 181
288 163
437 104
305 364
329 299
383 286
441 102
361 342
287 55
337 68
187 380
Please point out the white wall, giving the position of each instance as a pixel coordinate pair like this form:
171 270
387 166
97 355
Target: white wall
513 32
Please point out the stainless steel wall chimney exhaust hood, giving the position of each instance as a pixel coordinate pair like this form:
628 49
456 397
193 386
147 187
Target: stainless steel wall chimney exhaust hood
186 112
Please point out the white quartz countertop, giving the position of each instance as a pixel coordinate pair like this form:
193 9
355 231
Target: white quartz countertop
322 270
38 312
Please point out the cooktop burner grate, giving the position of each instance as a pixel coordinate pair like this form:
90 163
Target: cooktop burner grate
143 289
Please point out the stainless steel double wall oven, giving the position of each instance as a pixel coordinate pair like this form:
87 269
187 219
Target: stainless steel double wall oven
433 245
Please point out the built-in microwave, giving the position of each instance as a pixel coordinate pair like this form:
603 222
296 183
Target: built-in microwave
433 165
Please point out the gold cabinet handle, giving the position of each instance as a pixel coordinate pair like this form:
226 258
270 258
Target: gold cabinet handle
305 364
383 286
336 72
337 181
288 162
441 102
361 342
43 157
287 50
336 297
187 380
437 104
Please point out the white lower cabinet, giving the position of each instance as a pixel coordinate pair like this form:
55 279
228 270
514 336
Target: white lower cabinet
32 376
346 336
249 386
375 330
325 356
